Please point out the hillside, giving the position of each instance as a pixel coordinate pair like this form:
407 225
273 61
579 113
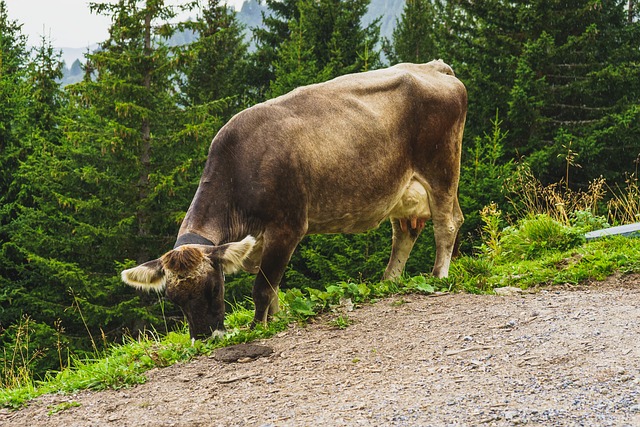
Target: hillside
557 356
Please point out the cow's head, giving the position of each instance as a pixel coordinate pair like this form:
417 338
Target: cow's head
193 278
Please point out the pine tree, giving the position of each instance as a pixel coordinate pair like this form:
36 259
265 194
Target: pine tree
103 186
33 297
215 64
295 63
559 72
128 113
13 96
325 40
14 149
417 33
268 41
575 91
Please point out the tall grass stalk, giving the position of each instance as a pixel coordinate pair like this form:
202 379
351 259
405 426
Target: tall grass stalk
17 360
624 205
76 304
529 196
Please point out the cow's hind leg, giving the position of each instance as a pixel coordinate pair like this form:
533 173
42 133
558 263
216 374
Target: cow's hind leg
447 219
278 248
404 237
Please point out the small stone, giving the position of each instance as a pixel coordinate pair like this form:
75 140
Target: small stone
510 415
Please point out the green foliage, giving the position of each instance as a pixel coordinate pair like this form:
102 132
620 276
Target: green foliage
541 63
534 236
341 322
312 41
417 34
586 221
14 100
108 172
323 259
215 64
483 176
491 230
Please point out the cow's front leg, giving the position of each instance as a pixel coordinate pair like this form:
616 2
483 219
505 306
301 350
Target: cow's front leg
278 248
405 234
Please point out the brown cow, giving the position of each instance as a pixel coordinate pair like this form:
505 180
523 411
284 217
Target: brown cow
335 157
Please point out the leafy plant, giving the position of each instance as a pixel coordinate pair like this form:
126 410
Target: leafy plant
341 322
62 407
535 235
586 221
491 230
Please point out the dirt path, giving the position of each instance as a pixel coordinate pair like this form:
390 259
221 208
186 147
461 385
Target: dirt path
556 357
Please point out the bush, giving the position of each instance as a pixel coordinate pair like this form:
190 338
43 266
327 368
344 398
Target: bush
533 236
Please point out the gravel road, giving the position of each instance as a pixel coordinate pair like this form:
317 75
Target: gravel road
553 357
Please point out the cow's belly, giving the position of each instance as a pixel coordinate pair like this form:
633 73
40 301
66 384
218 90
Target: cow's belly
352 222
409 203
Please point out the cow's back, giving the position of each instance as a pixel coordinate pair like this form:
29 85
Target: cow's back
339 152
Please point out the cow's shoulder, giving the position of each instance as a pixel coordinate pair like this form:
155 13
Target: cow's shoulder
433 68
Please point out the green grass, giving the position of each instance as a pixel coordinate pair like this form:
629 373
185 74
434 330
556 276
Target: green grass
125 364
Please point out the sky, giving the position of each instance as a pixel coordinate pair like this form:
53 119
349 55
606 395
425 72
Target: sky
67 23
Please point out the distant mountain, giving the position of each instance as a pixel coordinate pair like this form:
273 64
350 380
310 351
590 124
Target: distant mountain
73 58
389 10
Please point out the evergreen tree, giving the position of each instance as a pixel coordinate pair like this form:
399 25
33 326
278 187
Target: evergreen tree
33 297
215 64
125 113
562 74
576 93
14 149
295 63
325 40
104 184
13 96
417 33
268 40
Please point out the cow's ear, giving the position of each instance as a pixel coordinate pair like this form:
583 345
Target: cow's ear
231 255
147 276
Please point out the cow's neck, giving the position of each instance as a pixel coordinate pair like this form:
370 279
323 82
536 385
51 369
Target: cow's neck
192 239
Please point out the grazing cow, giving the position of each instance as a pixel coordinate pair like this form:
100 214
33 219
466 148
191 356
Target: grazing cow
334 157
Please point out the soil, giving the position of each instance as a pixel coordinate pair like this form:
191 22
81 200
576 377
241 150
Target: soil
556 356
